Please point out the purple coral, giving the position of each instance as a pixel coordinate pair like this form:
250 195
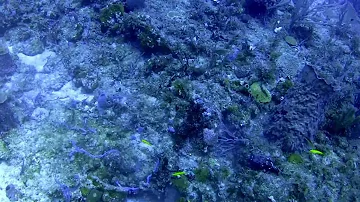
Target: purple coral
77 149
7 65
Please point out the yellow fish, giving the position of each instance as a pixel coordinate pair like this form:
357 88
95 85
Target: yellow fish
146 142
177 174
315 151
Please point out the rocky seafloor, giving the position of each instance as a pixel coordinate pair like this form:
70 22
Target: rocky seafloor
174 101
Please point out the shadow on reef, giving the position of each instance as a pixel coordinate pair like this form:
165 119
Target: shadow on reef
7 118
342 116
296 120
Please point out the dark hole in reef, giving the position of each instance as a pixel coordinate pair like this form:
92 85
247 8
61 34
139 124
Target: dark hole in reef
255 9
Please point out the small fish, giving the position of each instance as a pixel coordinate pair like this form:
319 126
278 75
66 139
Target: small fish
177 174
261 162
146 142
315 151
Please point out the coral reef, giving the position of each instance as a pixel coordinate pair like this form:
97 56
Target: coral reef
133 100
297 118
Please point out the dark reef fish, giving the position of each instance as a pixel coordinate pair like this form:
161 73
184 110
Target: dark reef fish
264 163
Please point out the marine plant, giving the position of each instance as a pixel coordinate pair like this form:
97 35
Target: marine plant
339 120
202 174
295 159
110 12
181 183
260 93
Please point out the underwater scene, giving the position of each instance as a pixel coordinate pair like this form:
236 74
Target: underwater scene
180 101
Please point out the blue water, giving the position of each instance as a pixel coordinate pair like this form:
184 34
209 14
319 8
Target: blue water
173 101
